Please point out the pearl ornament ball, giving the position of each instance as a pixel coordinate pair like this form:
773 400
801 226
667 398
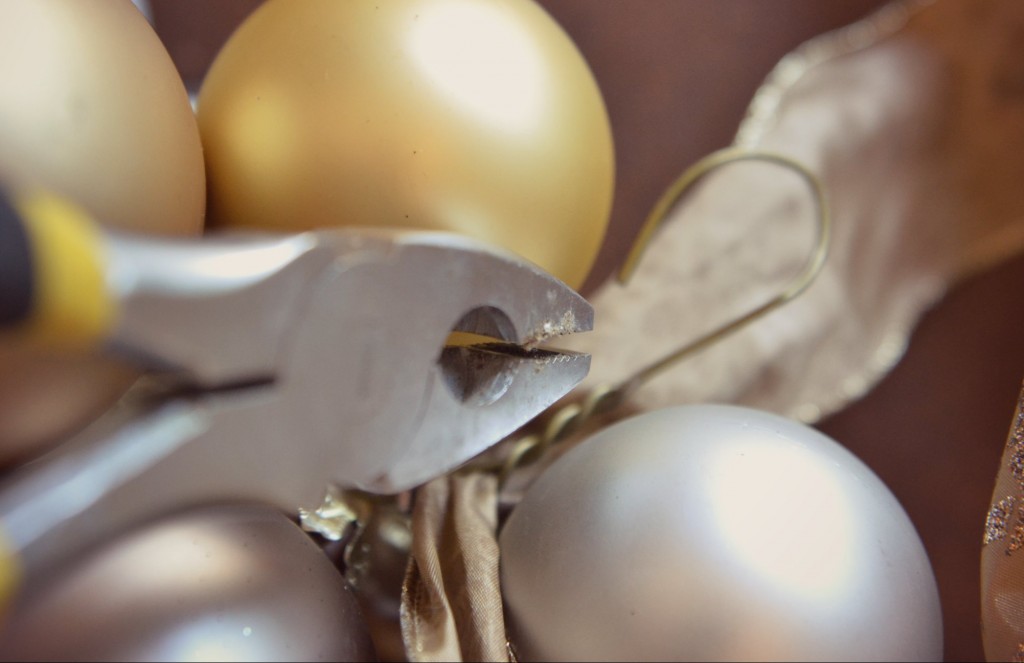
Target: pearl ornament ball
709 532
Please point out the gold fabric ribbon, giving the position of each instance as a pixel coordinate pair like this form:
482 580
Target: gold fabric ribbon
451 598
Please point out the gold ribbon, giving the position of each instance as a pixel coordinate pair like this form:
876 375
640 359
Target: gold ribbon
451 598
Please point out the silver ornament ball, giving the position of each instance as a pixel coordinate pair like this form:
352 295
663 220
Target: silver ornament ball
711 532
219 583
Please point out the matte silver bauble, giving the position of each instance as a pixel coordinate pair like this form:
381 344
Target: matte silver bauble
237 583
715 533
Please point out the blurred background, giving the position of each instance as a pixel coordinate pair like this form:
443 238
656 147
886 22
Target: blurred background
677 76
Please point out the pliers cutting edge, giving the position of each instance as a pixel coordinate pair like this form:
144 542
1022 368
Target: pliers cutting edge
302 360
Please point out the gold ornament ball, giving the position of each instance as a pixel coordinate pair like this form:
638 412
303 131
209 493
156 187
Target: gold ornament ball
475 117
92 109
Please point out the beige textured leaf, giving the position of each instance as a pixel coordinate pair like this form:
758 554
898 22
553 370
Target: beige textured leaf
914 121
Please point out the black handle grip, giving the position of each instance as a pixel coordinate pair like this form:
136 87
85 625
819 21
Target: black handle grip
15 265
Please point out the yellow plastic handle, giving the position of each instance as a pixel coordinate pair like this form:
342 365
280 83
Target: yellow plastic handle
70 304
10 574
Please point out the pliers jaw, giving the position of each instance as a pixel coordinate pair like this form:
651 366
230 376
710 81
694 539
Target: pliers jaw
510 389
370 355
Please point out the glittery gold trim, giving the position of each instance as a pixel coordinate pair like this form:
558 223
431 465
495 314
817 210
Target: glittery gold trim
1017 538
1005 518
998 520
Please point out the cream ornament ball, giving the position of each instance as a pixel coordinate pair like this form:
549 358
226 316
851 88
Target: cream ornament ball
715 533
92 109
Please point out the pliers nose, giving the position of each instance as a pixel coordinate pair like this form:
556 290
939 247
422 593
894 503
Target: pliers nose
427 405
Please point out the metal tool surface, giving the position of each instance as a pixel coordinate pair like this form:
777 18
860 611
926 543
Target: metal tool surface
296 361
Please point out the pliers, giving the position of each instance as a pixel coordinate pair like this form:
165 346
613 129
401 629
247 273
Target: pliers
298 361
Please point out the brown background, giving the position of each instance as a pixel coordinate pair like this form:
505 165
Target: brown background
677 76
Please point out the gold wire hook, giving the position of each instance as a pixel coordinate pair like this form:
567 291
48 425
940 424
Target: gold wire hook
605 398
660 211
